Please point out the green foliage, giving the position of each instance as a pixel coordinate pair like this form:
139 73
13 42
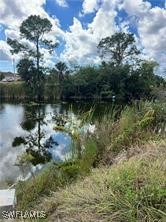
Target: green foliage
50 179
120 83
34 27
18 141
120 78
82 84
24 159
29 191
118 48
89 155
62 70
25 68
2 76
16 46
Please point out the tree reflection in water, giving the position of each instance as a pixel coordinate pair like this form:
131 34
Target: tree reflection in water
37 147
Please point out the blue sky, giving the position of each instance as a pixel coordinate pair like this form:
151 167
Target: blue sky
79 25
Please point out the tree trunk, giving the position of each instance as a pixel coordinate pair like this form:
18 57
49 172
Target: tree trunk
38 70
37 57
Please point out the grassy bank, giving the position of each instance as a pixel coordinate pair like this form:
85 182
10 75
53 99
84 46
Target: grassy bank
18 91
12 90
120 175
133 190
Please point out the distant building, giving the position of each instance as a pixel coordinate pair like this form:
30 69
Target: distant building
10 77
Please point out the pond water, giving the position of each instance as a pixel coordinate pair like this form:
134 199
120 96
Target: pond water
36 125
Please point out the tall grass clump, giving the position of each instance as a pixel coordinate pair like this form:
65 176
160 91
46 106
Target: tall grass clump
19 90
135 125
49 179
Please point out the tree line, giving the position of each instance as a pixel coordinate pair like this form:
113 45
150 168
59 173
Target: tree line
121 76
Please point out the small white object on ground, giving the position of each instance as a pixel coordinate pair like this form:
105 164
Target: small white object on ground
7 200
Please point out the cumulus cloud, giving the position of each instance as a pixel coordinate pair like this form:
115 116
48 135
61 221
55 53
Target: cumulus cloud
152 32
90 6
5 54
12 13
62 3
8 154
136 7
81 43
150 23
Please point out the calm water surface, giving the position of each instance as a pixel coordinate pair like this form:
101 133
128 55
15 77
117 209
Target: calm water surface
35 123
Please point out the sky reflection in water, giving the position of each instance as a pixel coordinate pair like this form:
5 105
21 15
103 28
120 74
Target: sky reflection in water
17 121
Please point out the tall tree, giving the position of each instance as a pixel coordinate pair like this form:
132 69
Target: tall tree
118 48
33 29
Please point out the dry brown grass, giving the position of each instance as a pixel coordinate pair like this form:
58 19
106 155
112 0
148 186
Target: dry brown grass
130 190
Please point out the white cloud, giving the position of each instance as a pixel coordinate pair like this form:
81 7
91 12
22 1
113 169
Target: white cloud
136 7
12 13
104 23
62 3
150 23
90 6
4 50
152 32
81 43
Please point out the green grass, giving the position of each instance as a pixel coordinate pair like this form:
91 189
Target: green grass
128 192
50 179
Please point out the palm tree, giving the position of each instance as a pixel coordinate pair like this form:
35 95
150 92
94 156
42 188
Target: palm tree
62 69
